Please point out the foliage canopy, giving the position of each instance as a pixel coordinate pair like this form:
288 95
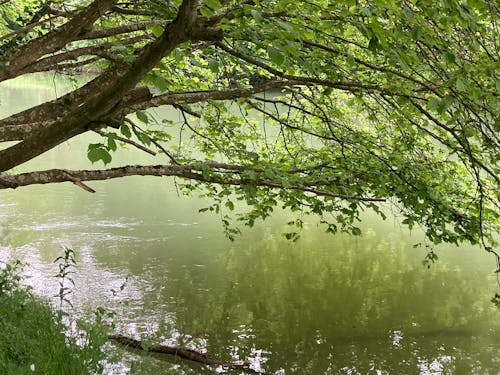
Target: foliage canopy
322 107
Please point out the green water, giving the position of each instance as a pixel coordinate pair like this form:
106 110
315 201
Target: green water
324 305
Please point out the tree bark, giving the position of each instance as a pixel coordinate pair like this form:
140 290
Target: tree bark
109 90
218 175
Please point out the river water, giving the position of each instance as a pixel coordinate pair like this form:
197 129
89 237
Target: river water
322 305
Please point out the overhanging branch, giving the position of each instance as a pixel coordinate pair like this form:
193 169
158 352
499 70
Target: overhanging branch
197 171
174 98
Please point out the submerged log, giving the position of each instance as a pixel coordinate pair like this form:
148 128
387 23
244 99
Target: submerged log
184 353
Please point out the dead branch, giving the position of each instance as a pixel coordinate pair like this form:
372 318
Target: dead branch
180 352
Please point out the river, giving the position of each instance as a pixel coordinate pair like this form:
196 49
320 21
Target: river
322 305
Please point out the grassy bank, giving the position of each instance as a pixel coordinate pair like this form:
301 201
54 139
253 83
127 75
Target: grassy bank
32 335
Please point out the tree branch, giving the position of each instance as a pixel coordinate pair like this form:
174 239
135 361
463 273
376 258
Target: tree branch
108 91
123 29
190 171
128 141
351 86
54 40
100 50
192 97
28 27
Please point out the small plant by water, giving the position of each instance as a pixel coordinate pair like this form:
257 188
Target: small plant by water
33 337
65 263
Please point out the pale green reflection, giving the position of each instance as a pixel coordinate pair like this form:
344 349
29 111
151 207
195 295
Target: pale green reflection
326 304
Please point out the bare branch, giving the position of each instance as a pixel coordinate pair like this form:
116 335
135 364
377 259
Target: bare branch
79 183
153 141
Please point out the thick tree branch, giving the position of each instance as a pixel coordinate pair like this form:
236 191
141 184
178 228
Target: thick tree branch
118 30
189 171
10 133
107 91
23 123
133 12
172 98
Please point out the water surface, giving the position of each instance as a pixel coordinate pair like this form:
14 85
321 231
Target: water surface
323 305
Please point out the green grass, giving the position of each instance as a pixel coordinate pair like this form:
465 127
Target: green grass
32 336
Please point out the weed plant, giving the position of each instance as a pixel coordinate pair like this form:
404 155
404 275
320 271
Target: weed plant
33 337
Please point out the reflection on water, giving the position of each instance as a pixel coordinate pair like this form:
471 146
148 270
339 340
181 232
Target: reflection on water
323 305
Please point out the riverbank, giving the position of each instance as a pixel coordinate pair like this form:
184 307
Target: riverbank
32 334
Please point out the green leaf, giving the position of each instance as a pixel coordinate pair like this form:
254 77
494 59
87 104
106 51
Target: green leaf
327 91
125 130
230 205
12 25
434 103
374 44
256 16
269 173
142 116
285 25
376 28
143 137
275 55
469 131
449 57
157 30
159 82
356 231
293 236
97 152
402 100
460 84
213 65
206 12
206 172
285 183
367 12
416 32
111 142
214 4
496 301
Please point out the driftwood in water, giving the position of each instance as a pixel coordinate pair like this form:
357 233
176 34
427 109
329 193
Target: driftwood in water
180 352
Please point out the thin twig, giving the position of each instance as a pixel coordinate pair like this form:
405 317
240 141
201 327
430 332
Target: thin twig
128 141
